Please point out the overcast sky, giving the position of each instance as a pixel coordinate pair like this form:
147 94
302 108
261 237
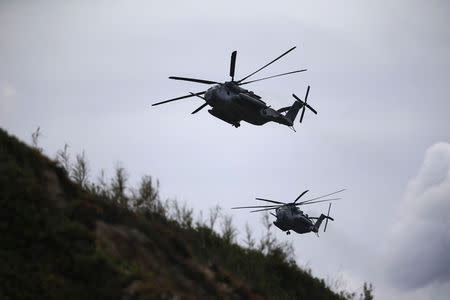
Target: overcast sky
86 72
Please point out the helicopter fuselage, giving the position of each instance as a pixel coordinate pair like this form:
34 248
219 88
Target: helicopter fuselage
292 218
289 216
233 104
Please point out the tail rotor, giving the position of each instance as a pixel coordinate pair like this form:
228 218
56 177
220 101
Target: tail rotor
328 217
304 104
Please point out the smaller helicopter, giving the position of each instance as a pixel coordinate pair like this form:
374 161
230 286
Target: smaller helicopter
290 217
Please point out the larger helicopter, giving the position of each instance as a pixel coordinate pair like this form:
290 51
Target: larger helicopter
232 104
290 217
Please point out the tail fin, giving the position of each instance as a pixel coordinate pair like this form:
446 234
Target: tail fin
293 111
319 222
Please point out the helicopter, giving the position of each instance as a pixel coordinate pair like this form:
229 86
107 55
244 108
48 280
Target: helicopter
290 217
232 103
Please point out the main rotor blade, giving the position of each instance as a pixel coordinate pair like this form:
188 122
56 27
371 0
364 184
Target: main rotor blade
321 196
267 200
267 64
194 80
179 98
232 64
303 70
318 201
264 209
256 206
200 108
301 195
201 97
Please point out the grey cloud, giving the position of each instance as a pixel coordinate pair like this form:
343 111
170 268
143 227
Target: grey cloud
86 73
419 243
7 93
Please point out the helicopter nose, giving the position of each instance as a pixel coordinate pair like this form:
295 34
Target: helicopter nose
209 95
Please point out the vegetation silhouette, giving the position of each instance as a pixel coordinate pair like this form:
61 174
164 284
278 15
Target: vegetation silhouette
63 236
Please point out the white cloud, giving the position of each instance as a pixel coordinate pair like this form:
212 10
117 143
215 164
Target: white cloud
417 252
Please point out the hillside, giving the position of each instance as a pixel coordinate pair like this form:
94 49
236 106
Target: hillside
61 241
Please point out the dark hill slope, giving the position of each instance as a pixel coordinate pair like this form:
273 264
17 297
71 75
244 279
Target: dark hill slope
60 242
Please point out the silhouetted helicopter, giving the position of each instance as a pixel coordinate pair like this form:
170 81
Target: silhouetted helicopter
290 217
232 104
